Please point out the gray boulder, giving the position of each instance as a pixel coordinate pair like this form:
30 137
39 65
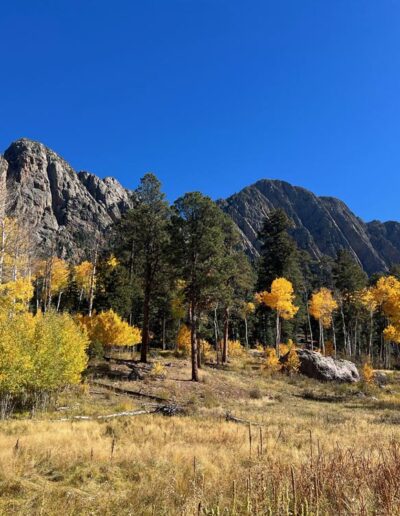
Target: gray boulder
315 365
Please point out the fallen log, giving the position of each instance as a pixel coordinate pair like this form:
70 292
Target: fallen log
165 410
129 392
234 419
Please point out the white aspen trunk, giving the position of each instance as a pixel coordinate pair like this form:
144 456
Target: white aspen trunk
278 334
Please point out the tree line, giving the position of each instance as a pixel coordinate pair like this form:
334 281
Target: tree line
171 273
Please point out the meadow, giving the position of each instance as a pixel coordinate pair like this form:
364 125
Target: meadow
247 442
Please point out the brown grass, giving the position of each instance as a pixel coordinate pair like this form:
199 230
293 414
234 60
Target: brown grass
307 457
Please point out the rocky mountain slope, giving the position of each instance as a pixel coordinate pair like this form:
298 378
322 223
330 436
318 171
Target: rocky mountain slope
67 211
322 225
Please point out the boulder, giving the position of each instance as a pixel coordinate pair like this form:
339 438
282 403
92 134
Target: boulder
328 369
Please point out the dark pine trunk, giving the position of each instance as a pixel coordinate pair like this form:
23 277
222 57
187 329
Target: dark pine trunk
225 339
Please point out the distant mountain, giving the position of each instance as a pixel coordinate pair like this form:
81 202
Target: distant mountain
68 211
322 225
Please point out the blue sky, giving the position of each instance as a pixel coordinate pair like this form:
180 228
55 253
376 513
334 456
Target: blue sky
212 95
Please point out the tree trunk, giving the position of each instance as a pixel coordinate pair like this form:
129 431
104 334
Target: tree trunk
163 333
59 301
321 337
278 333
246 332
145 330
92 282
310 327
217 350
225 338
371 329
199 357
334 337
193 341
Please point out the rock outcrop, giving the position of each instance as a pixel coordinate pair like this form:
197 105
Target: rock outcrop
321 225
327 369
65 211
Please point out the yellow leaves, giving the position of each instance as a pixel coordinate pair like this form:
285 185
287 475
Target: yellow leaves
272 363
280 298
368 298
109 329
59 275
112 262
40 353
15 295
83 274
322 305
387 295
292 362
392 333
368 373
183 341
235 348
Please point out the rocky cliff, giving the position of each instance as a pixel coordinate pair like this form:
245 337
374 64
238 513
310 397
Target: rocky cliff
321 225
66 211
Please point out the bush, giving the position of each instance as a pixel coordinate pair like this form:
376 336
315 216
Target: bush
292 363
108 329
38 356
368 373
272 363
183 342
235 349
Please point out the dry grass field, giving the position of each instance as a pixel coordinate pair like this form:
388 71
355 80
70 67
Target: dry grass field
310 448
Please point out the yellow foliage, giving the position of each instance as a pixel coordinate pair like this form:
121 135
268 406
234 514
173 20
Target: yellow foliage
387 295
59 275
15 295
283 349
83 273
158 370
108 329
40 353
183 340
322 305
292 363
112 262
368 298
329 348
368 373
206 350
280 298
235 349
272 363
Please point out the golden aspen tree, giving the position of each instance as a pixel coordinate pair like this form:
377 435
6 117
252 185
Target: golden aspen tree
387 295
247 308
59 280
108 329
83 273
321 306
280 299
368 300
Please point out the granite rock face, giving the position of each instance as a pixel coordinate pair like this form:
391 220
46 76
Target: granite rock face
67 212
326 369
321 225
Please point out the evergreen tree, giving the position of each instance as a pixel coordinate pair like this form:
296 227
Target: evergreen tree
141 241
197 250
236 280
349 278
279 254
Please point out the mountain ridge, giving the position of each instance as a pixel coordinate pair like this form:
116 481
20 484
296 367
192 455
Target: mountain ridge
68 210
